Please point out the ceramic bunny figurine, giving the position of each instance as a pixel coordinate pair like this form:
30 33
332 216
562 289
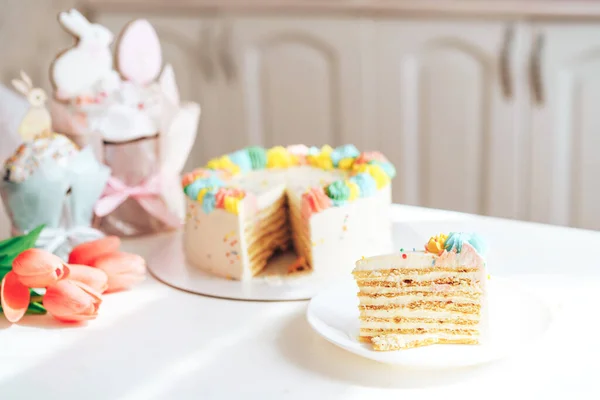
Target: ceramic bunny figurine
87 68
37 121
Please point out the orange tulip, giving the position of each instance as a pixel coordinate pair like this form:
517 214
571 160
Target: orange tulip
123 269
14 297
92 277
86 253
72 301
38 268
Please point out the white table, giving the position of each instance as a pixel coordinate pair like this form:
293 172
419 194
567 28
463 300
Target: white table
156 342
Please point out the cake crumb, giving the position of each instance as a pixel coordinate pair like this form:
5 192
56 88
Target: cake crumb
394 342
299 265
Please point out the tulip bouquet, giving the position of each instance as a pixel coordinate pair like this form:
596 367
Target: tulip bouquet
72 291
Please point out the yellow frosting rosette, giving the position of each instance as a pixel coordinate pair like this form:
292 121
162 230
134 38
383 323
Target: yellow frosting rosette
280 157
346 163
323 159
354 190
436 244
378 174
224 163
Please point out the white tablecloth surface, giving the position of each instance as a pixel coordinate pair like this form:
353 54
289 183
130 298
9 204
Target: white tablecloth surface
155 342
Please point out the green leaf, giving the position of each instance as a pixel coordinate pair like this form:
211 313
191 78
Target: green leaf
12 247
36 308
33 309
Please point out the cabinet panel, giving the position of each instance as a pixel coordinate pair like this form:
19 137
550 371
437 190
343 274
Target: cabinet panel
444 119
298 81
566 123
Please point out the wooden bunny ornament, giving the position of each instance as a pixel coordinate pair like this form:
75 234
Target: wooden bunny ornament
37 121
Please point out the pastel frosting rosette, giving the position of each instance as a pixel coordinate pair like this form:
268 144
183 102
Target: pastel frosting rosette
50 181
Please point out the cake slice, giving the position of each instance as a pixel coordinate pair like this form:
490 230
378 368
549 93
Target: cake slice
418 298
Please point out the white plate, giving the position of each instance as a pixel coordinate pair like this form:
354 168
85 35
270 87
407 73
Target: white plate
168 264
518 319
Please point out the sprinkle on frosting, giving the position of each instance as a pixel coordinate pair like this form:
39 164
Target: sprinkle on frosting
31 155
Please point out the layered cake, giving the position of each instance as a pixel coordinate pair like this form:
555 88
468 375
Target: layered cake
416 298
330 205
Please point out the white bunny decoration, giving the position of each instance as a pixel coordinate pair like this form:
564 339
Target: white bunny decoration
37 121
87 68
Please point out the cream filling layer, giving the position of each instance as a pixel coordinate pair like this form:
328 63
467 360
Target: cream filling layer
407 299
406 313
448 292
413 325
444 288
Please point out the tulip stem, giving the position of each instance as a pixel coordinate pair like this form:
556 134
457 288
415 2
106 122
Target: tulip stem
36 299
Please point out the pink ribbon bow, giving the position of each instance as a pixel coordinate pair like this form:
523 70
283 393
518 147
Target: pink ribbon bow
146 194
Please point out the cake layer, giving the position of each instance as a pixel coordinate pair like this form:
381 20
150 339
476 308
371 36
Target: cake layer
271 242
441 291
264 216
399 302
407 299
277 227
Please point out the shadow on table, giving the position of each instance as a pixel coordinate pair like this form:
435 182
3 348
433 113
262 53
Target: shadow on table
303 347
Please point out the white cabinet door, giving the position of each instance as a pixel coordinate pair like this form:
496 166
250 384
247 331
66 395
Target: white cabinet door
456 137
187 44
565 186
297 80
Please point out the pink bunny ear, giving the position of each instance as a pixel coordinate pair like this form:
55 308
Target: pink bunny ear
139 57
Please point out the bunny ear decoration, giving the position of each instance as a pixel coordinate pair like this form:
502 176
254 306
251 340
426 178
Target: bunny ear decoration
21 86
73 22
26 79
168 85
139 56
